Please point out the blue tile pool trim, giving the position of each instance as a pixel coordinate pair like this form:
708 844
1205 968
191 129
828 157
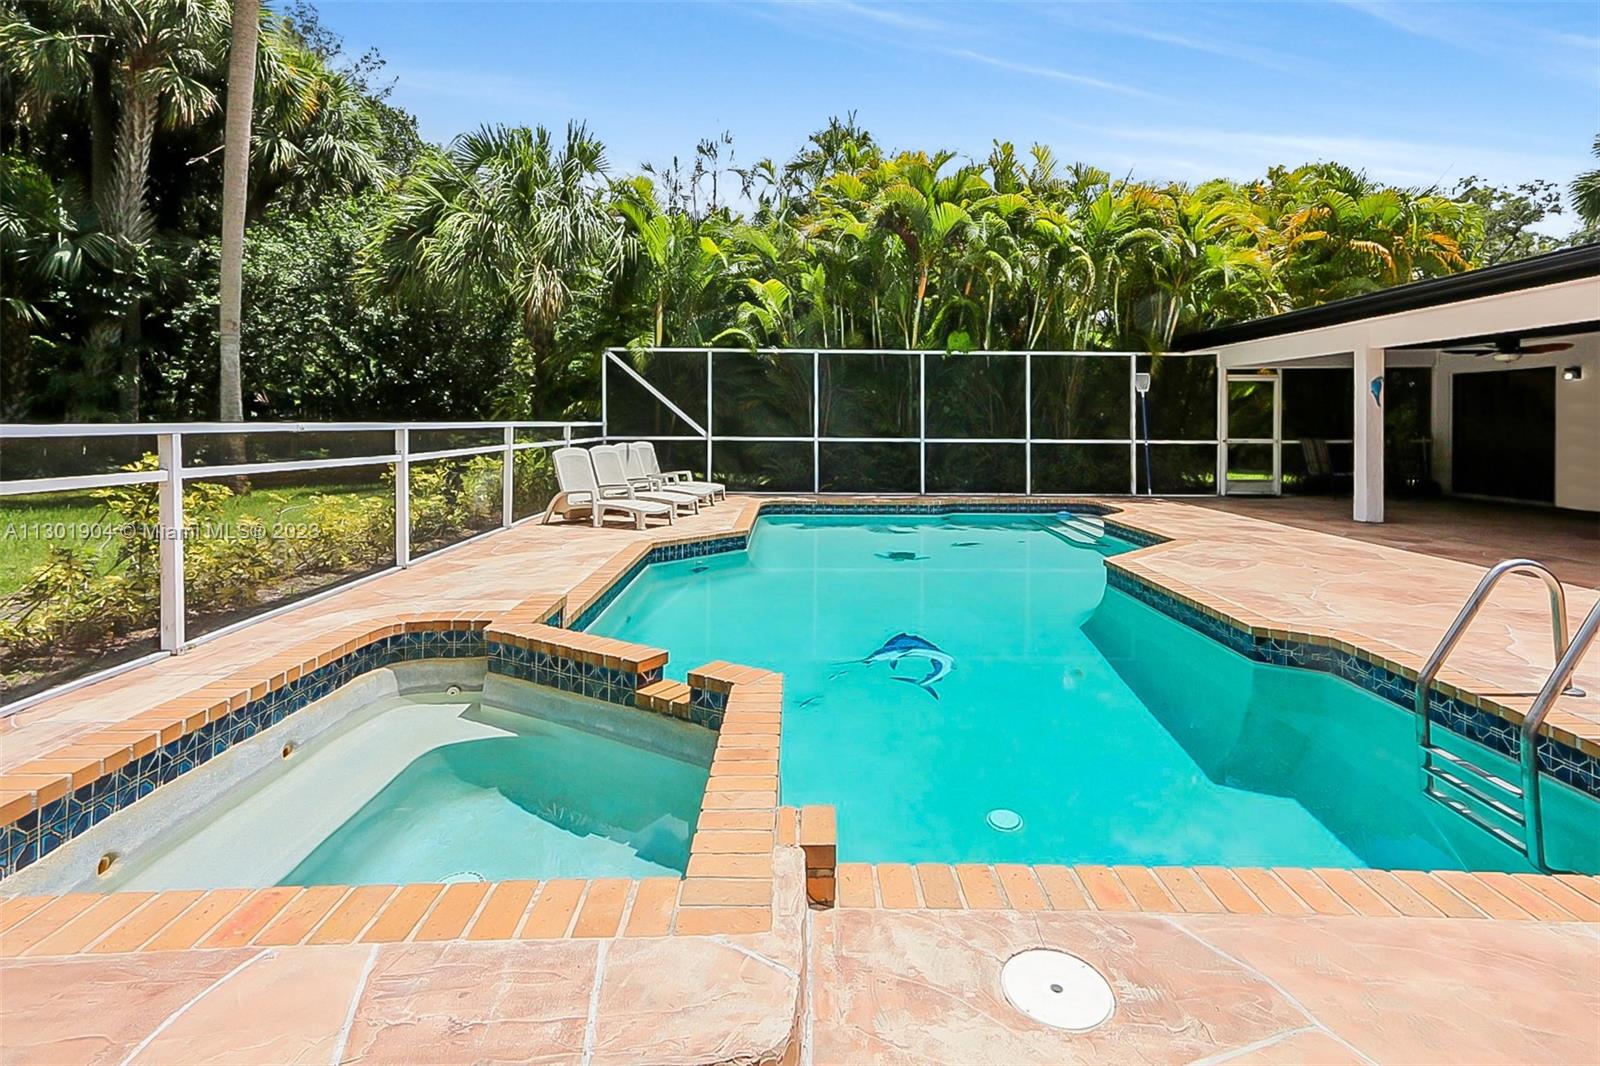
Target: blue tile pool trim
570 675
38 833
1561 761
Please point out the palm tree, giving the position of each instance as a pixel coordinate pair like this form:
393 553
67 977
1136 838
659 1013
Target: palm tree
318 131
235 189
138 60
926 212
673 258
505 214
50 242
1586 192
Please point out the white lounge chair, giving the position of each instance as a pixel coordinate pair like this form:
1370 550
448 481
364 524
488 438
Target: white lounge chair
633 465
611 471
580 494
634 460
677 479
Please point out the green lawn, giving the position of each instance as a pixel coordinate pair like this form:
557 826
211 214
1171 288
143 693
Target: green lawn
29 525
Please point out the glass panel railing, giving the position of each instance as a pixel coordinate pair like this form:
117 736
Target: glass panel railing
79 589
272 539
453 499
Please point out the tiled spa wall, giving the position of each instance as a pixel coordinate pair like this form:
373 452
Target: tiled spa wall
39 832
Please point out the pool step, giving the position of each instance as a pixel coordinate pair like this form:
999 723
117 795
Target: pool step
1077 529
665 697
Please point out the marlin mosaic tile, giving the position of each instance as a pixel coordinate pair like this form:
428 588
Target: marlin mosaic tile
1564 763
39 832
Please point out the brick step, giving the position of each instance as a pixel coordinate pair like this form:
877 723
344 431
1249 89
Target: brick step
665 697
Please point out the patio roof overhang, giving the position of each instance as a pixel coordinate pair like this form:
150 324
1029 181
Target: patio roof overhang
1557 293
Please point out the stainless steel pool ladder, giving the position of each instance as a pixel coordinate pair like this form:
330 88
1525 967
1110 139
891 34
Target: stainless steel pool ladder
1470 790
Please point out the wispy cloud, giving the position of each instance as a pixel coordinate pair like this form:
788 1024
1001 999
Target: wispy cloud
1051 73
1214 45
887 15
1246 153
910 28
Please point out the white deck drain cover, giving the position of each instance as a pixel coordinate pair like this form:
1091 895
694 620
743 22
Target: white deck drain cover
1056 988
1007 821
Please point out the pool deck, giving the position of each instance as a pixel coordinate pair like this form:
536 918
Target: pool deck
1208 965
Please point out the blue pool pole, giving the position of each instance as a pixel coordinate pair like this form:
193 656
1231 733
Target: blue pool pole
1141 384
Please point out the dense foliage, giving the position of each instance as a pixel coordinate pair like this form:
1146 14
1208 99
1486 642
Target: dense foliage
388 277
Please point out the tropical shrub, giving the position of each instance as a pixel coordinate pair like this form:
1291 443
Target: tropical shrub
240 551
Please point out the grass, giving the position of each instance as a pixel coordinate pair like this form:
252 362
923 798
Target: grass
25 522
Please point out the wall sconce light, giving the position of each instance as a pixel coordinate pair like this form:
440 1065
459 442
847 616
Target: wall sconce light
1572 373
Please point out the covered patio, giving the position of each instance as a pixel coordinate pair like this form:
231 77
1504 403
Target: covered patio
1480 532
1482 385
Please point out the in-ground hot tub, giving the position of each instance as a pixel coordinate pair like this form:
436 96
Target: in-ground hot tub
420 772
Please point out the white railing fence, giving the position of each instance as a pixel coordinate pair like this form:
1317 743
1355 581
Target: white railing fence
686 415
172 473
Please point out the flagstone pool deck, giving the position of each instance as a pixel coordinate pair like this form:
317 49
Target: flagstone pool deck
1207 964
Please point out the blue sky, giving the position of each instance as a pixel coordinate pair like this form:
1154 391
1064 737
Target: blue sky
1419 93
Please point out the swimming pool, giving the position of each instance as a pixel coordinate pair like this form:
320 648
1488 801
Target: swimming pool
967 688
374 785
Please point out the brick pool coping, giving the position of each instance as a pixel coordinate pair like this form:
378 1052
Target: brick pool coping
1284 891
728 886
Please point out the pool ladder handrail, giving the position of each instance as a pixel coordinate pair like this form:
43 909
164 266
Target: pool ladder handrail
1458 773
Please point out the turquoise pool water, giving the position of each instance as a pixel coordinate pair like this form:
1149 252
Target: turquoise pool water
514 782
1020 683
537 799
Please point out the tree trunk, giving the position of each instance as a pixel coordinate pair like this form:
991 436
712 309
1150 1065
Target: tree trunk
126 215
916 314
235 189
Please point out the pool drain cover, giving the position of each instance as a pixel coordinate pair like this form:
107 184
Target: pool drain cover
1056 988
1005 820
